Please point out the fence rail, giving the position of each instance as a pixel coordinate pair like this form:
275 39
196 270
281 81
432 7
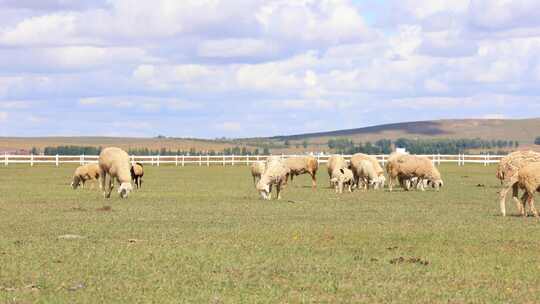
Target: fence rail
225 160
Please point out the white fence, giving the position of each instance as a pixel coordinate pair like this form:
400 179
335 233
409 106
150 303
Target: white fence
224 160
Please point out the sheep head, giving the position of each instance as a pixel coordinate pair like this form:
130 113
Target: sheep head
76 182
264 190
125 189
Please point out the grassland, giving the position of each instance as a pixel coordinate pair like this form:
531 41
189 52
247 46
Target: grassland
201 235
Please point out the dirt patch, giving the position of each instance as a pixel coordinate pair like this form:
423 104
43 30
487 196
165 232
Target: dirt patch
105 209
410 260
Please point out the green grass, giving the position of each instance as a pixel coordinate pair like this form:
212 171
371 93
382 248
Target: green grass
202 235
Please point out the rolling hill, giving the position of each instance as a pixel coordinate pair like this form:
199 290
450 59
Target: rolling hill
522 130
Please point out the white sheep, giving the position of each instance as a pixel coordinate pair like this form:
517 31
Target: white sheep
507 173
115 164
355 163
365 174
85 173
257 169
342 177
303 165
529 180
276 173
335 162
405 167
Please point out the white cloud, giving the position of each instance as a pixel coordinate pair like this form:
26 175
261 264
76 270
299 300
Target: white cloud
146 104
229 126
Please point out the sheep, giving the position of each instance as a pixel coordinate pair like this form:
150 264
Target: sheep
276 173
355 162
114 162
85 173
257 169
391 164
335 162
365 174
302 165
507 173
137 173
406 167
528 179
342 177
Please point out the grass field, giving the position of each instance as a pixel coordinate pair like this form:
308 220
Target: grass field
201 235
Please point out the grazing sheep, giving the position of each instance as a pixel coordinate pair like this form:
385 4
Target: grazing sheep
303 165
405 167
365 174
391 164
335 162
355 163
114 163
529 180
507 173
276 173
85 173
342 177
137 173
257 169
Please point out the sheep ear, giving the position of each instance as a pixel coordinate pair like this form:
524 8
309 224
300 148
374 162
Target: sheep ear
342 171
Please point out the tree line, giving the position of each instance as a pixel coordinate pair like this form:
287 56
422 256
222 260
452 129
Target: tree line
421 146
89 150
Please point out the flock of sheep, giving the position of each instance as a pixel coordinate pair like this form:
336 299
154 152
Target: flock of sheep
113 164
518 170
362 171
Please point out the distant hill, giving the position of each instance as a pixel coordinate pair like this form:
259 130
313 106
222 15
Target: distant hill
522 130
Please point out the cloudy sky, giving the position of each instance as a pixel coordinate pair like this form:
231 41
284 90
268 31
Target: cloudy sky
212 68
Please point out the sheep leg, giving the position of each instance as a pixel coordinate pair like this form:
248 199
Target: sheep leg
520 204
107 189
531 204
502 200
524 199
278 191
313 180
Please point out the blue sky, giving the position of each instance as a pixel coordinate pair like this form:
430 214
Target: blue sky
236 68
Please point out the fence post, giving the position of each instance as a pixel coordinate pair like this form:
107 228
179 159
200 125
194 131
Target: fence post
176 160
208 160
31 160
183 160
158 160
232 159
132 159
6 159
57 162
200 160
223 160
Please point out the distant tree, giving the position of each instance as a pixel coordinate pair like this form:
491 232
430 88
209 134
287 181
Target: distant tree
287 143
305 144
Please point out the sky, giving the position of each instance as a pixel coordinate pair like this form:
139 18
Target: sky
242 68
